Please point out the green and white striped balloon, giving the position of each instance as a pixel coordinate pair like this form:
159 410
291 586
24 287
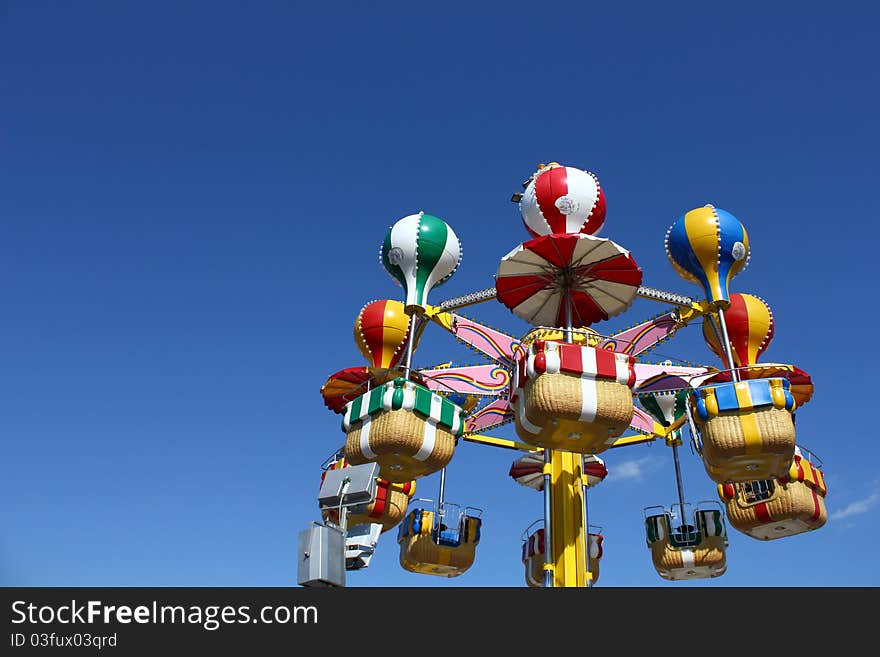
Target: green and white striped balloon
420 252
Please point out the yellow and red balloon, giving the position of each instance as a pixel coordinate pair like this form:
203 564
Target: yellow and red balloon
749 327
380 331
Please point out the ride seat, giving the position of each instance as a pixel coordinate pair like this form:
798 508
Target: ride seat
448 537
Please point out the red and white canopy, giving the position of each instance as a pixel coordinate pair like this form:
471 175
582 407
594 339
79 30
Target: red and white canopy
528 470
599 275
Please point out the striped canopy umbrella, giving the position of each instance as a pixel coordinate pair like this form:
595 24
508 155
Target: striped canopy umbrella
665 406
536 279
528 470
345 385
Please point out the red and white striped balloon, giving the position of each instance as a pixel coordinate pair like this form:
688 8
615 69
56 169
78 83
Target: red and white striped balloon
560 199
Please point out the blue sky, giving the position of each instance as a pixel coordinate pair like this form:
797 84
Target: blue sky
192 200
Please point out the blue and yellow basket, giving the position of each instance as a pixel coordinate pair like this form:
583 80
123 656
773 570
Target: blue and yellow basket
746 429
437 550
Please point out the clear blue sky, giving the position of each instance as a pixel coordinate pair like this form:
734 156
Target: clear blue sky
192 200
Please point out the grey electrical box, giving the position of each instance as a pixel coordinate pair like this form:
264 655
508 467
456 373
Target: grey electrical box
348 486
321 556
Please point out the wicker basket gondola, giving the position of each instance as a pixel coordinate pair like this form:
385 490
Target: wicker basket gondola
429 552
572 397
792 505
697 552
746 429
404 427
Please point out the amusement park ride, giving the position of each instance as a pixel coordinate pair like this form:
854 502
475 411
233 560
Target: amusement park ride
570 392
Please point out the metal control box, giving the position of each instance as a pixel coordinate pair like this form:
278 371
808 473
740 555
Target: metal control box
321 557
348 486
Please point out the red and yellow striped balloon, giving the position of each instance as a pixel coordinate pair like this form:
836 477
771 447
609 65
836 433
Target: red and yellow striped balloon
380 332
749 327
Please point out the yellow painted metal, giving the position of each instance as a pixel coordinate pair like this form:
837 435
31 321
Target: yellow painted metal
633 439
584 335
697 309
675 425
499 442
439 317
568 538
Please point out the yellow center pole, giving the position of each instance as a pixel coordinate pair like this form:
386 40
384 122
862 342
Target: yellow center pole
568 540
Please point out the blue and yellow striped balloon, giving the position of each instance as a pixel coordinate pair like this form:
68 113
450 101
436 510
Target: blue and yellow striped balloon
708 246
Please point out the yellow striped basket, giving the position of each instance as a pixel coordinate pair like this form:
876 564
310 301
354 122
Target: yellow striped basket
746 429
420 551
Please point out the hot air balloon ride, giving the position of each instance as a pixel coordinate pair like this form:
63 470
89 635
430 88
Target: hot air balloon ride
566 395
746 428
776 508
408 429
570 392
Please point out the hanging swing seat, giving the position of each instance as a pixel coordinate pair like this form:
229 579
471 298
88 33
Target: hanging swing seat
777 508
403 426
430 547
687 551
572 397
746 429
533 559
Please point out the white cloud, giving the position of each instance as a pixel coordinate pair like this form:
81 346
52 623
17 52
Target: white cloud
862 506
628 469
